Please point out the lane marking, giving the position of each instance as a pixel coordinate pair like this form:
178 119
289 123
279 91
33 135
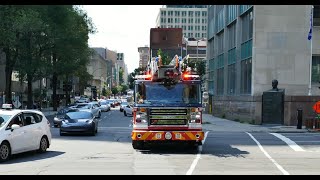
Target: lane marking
195 161
290 143
268 156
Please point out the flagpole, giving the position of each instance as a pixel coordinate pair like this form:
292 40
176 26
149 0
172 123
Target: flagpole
310 63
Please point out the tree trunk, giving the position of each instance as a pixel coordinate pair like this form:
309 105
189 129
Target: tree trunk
8 74
54 84
30 101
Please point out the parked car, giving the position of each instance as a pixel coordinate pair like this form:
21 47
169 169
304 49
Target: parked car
61 113
128 110
122 105
90 107
22 131
79 122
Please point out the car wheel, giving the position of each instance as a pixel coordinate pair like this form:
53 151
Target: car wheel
125 113
43 144
5 151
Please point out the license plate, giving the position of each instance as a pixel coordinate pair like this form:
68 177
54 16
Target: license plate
178 136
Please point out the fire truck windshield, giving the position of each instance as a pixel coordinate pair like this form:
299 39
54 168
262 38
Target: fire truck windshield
157 93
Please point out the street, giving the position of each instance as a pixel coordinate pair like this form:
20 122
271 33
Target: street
223 152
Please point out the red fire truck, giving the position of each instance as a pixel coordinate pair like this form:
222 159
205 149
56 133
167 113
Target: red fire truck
167 105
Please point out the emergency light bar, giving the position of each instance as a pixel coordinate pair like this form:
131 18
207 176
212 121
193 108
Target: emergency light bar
191 76
6 106
148 76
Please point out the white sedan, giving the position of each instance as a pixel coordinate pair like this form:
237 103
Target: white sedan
128 110
22 130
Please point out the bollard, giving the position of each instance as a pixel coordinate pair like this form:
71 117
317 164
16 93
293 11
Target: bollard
299 117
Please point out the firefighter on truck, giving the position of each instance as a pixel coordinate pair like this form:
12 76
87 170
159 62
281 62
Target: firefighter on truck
167 105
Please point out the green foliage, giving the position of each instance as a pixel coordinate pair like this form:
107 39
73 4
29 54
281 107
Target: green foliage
121 75
131 76
119 88
199 66
114 90
124 88
164 57
104 91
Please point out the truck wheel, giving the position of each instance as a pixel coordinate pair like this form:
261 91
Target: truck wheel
137 144
125 113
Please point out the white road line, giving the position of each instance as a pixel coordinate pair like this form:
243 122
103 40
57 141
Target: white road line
195 161
290 143
268 156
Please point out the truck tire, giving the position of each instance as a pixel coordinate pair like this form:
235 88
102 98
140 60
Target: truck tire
137 144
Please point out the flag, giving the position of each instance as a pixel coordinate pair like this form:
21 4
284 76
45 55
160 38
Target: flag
311 19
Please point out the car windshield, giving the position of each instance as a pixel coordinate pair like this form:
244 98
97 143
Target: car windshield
79 115
103 103
124 103
4 119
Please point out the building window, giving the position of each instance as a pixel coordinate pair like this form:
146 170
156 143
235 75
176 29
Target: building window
184 13
220 43
204 35
232 13
247 27
204 13
211 76
232 36
220 74
204 21
315 68
177 13
170 13
232 56
176 20
190 13
190 20
231 78
163 13
246 50
184 20
246 70
197 13
244 8
220 20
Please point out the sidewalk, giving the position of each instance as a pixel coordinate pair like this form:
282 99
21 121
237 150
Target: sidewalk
213 123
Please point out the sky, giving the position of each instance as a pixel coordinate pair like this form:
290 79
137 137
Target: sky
122 28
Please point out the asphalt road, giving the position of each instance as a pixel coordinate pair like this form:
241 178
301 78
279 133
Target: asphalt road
223 152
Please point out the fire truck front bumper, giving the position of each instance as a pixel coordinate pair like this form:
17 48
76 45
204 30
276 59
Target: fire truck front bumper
197 136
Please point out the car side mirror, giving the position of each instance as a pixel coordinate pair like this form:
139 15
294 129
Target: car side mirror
14 126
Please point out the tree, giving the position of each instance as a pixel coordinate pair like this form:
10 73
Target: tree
132 75
104 91
114 90
70 28
121 75
124 89
11 26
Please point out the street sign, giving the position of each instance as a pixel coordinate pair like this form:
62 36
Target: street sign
316 107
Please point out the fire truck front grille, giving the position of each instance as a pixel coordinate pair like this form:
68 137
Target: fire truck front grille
168 117
168 112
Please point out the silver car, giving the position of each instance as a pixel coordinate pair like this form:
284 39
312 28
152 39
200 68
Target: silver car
104 106
128 110
90 107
